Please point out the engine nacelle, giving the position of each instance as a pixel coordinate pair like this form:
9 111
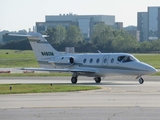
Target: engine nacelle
61 61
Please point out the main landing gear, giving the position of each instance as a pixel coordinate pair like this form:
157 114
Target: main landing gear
141 81
97 79
74 78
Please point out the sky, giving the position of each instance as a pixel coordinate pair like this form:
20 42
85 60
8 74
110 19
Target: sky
23 14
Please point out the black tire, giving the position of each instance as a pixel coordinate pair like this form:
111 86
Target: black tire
74 80
98 79
141 81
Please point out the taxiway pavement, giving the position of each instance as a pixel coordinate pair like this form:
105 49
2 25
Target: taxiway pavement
120 98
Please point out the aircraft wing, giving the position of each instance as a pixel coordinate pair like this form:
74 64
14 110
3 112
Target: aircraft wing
60 70
46 69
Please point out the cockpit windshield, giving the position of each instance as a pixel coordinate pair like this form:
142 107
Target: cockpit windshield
126 58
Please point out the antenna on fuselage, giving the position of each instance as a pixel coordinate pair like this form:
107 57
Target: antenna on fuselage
99 51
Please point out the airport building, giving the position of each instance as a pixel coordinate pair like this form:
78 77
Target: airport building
85 22
118 25
142 25
148 23
153 23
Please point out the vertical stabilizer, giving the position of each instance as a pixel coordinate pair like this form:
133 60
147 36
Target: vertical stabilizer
42 49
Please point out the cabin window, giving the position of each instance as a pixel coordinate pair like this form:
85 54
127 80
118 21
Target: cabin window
84 61
91 60
112 60
97 61
105 60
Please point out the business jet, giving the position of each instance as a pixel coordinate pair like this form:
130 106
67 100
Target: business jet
95 65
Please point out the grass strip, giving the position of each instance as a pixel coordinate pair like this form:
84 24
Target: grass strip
156 74
33 74
151 59
42 88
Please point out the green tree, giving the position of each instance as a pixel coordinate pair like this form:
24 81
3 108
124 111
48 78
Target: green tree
102 37
130 42
60 34
17 45
51 32
111 40
155 45
74 35
118 43
145 46
102 34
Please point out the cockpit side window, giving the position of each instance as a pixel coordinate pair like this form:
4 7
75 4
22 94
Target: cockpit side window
120 58
125 59
128 59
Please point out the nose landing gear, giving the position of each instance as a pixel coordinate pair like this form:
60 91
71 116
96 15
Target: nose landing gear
141 81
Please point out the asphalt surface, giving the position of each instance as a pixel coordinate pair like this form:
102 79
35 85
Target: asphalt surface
121 98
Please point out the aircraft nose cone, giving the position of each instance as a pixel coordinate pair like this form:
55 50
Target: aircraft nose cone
152 70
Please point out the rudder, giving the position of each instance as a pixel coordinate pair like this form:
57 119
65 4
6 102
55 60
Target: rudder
41 47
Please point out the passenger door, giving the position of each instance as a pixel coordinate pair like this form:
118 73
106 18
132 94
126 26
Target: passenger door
105 60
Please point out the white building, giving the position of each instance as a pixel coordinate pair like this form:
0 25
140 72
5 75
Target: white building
85 22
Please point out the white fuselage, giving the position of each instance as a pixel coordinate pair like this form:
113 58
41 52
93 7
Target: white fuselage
102 63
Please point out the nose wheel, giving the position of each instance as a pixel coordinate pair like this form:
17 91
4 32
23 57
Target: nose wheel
141 81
